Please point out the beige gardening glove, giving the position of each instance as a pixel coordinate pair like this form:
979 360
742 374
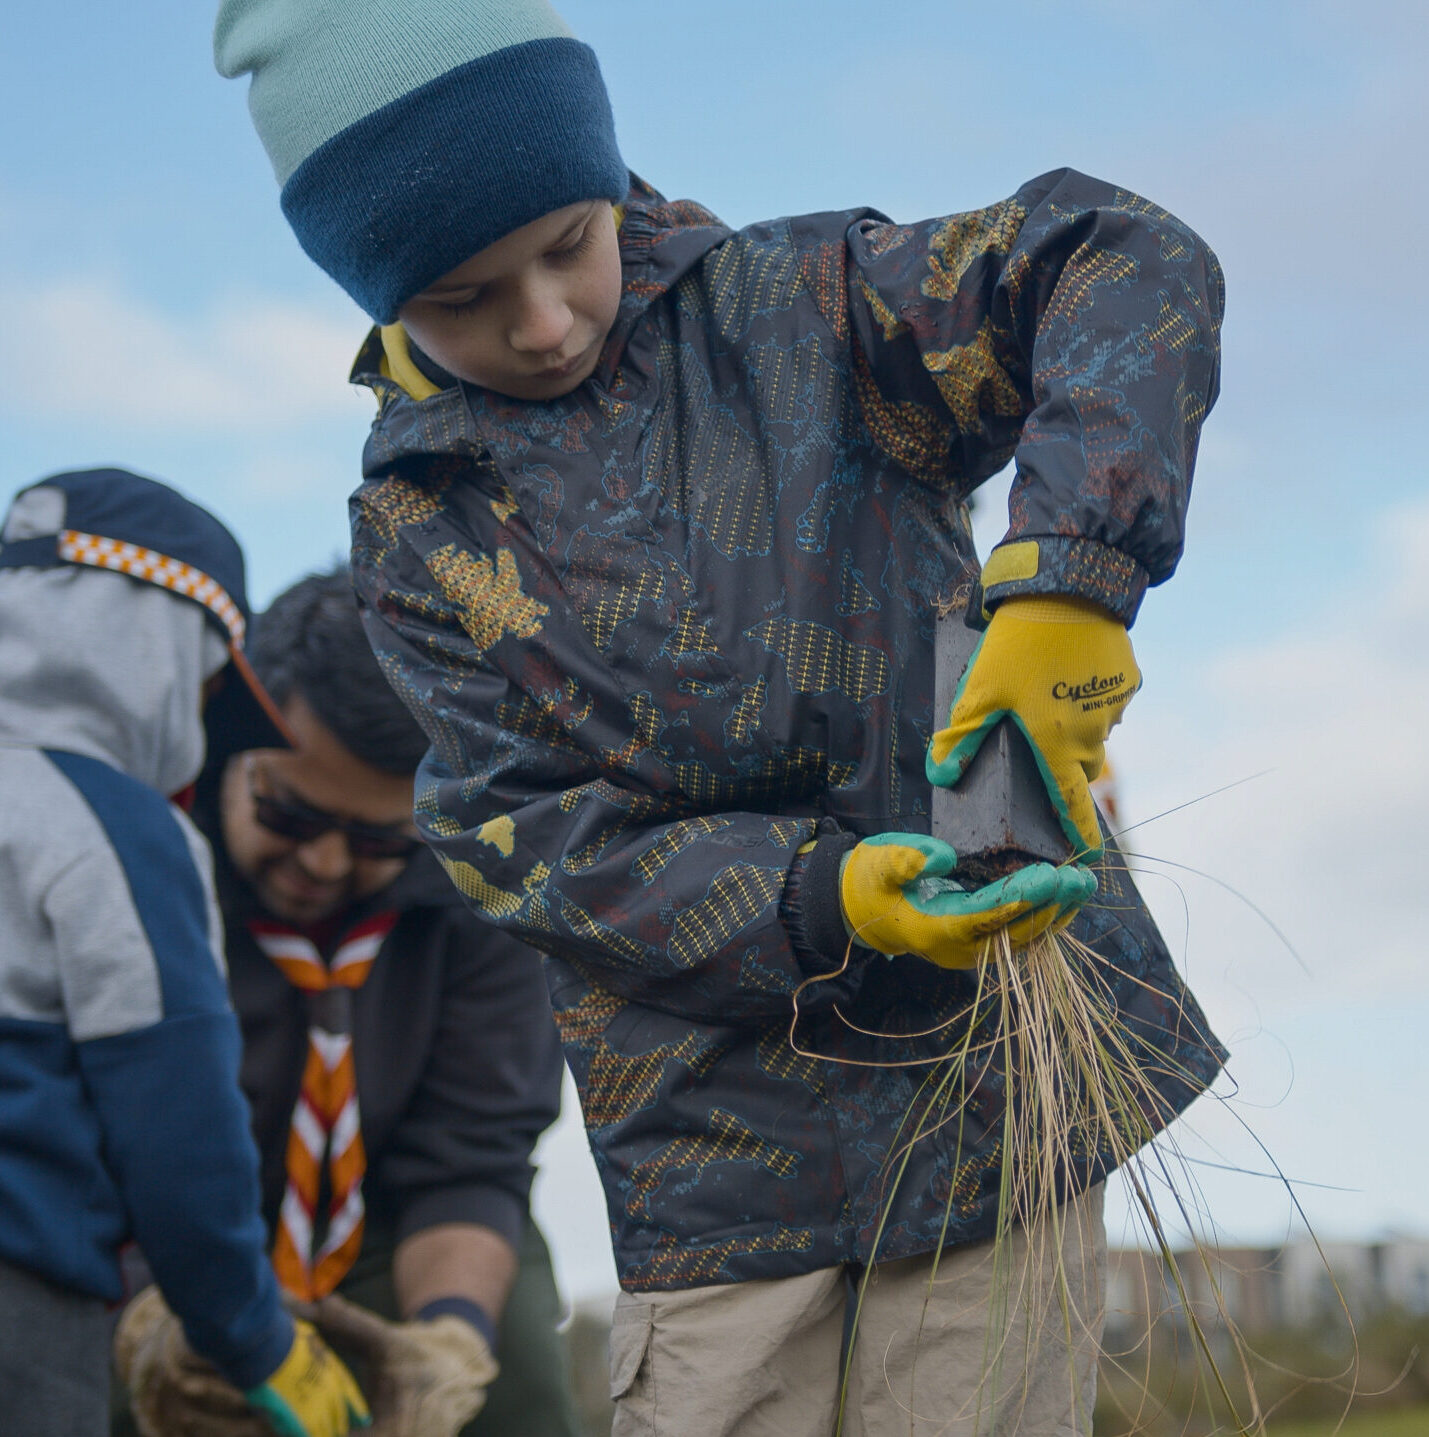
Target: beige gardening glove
425 1378
172 1391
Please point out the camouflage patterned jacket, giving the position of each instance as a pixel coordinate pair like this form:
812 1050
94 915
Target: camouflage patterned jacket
664 630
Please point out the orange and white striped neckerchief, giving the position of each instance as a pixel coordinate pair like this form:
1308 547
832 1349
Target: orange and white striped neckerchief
326 1125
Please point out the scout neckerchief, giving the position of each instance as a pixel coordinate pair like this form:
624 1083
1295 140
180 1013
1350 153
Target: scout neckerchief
326 1125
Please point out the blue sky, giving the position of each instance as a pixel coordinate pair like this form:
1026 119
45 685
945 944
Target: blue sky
156 312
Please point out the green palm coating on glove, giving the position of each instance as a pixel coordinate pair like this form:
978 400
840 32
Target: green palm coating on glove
311 1394
1062 669
894 902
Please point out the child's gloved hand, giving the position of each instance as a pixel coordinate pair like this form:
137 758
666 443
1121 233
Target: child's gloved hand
1062 669
889 906
311 1394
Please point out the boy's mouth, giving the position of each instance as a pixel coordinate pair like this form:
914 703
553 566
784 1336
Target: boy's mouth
569 367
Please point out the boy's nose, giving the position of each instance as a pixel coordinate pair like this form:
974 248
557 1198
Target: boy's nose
541 323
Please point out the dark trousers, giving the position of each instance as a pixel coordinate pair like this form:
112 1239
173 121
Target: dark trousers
54 1358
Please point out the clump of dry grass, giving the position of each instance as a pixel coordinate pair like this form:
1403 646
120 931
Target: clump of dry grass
1080 1085
1081 1093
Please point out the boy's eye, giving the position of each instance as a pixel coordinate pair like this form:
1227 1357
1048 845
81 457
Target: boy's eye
576 247
462 306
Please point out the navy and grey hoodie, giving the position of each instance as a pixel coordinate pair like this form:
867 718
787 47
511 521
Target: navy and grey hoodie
119 1098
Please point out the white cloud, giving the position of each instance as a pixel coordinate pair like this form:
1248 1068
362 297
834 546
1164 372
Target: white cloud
1327 1065
85 351
1331 841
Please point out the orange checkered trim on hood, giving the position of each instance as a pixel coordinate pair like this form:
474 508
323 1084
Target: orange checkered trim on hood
155 568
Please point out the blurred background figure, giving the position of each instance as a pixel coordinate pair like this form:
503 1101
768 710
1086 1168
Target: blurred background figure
348 946
122 618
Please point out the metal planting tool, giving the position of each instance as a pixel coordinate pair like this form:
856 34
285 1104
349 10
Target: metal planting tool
999 816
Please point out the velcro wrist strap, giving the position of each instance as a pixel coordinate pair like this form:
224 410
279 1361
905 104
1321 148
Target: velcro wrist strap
812 903
1060 564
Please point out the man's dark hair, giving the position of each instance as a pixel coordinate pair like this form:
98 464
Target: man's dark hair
309 642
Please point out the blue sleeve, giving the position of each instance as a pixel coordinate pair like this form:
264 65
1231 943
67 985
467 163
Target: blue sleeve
178 1144
175 1124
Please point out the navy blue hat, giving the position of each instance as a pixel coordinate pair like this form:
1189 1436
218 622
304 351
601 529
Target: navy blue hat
408 137
112 519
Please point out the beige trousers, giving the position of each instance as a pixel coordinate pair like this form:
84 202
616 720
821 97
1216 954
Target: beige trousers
986 1346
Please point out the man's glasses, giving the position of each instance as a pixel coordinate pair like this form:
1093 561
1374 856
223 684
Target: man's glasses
290 819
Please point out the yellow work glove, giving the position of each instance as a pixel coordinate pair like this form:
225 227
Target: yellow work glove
897 899
311 1394
1062 670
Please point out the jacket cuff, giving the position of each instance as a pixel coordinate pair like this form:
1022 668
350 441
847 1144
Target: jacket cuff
254 1366
471 1313
496 1208
812 910
1053 564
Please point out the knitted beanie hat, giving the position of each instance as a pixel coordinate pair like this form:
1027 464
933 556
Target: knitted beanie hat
409 134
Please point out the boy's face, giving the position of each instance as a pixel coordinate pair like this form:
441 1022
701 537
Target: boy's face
526 316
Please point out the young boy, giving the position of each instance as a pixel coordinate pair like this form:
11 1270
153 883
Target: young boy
122 613
657 525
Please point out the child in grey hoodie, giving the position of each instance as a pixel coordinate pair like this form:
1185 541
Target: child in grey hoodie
122 611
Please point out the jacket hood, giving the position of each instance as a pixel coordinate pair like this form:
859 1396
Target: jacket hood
121 522
97 663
